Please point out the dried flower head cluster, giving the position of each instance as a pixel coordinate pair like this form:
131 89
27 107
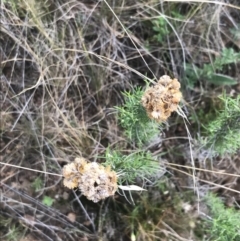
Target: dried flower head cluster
162 99
95 181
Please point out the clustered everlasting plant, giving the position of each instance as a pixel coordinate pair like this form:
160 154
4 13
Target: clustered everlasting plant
162 99
95 181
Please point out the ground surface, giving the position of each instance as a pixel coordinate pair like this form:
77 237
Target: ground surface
64 66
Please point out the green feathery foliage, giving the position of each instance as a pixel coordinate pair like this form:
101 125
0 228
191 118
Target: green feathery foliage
135 165
133 118
224 131
225 223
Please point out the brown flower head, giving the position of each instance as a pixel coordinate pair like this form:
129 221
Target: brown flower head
70 176
162 99
95 181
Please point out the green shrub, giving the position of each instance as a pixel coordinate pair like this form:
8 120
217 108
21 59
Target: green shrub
160 27
225 223
223 133
135 165
133 118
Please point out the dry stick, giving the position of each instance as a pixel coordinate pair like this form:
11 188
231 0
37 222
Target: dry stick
84 210
205 1
173 232
182 114
167 163
29 169
204 170
16 59
211 183
208 182
56 215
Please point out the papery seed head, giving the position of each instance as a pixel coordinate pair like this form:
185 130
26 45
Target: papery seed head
162 98
70 183
69 169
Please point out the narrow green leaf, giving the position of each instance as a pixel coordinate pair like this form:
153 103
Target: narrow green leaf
220 79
